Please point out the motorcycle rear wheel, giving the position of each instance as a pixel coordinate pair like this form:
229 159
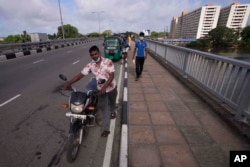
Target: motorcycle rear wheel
73 145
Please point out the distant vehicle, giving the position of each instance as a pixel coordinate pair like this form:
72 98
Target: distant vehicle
146 33
39 37
113 47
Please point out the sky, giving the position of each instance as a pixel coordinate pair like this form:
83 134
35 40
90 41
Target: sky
118 15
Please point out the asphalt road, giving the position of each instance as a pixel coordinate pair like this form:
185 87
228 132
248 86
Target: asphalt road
33 125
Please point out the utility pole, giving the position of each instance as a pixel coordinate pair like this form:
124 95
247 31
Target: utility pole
98 13
61 18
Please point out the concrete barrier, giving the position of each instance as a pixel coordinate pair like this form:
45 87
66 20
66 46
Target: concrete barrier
39 50
19 54
2 57
33 52
26 52
44 49
10 55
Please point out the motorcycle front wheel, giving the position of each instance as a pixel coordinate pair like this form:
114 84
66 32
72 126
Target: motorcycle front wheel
74 144
98 119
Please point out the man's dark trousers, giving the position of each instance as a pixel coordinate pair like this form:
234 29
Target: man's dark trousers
139 62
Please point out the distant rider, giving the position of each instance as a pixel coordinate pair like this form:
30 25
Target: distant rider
125 46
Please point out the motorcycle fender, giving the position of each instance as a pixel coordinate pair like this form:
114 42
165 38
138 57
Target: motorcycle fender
74 127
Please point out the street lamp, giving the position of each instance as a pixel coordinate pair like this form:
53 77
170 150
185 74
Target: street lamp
61 18
98 13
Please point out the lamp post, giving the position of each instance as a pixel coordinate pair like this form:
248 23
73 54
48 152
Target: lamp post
98 13
61 18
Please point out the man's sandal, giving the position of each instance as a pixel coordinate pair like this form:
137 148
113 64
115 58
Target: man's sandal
105 133
113 115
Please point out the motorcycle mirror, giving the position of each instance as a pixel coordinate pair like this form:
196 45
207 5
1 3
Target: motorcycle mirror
64 106
62 77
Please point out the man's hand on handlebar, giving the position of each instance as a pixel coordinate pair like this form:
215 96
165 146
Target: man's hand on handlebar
103 90
66 86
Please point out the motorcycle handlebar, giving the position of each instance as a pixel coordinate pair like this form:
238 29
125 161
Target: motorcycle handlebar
70 89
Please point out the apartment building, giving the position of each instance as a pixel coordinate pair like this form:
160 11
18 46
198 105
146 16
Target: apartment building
176 25
173 26
198 23
234 16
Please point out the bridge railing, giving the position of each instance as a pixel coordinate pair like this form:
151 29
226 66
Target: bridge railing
227 79
19 47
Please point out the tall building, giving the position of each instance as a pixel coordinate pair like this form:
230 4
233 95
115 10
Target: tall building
234 16
173 26
197 23
176 26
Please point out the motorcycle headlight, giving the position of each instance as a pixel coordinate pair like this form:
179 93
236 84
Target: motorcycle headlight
76 108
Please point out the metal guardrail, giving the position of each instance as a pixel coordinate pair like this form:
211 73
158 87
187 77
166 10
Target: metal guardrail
21 47
227 79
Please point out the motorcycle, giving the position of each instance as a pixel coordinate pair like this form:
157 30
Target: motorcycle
83 110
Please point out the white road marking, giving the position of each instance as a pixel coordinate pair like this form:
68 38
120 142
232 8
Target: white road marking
123 161
119 84
125 95
38 61
13 98
69 51
108 150
76 62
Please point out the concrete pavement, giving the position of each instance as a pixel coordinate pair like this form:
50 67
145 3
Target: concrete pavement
169 125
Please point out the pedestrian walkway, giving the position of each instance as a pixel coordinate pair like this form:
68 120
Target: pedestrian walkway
168 125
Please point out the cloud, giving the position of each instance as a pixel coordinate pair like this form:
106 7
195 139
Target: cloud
119 16
31 16
130 15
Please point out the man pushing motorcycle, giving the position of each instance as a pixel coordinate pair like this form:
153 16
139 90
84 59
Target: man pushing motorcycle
104 81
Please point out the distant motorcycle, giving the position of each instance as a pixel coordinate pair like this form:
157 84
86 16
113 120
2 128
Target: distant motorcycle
83 109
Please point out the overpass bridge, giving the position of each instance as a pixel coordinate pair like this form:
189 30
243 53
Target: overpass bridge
189 107
177 112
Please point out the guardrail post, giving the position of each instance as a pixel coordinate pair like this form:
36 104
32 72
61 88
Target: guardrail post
243 109
155 48
166 53
184 75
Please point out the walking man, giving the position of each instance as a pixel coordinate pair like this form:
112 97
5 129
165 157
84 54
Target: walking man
140 55
129 41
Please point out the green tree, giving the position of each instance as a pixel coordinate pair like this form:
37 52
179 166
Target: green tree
222 37
94 34
25 37
107 33
13 39
162 34
81 35
158 34
154 34
69 31
200 43
167 34
204 42
52 37
245 37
